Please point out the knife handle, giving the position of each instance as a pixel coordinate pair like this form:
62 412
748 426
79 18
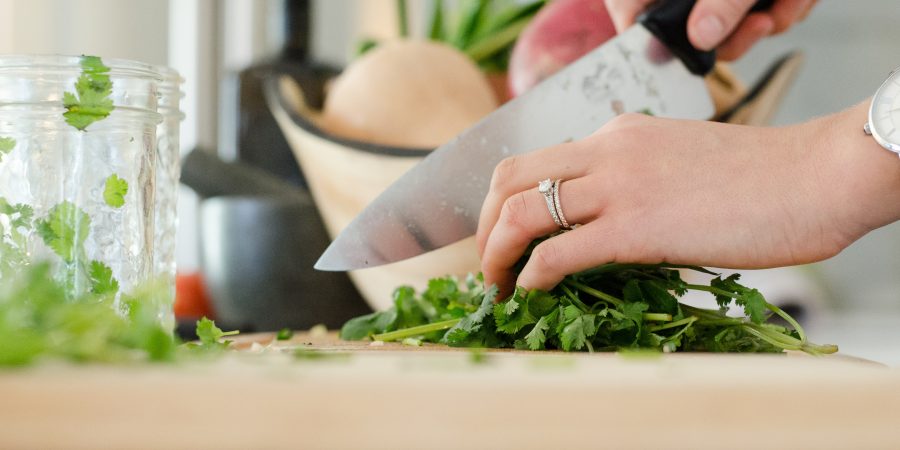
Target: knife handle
667 20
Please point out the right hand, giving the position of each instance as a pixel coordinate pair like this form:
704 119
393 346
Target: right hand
723 25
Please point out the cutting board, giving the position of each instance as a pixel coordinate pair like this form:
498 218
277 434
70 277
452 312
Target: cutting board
356 395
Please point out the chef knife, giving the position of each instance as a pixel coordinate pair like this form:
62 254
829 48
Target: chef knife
651 67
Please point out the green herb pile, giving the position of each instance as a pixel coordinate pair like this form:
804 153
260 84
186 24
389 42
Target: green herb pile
609 308
40 319
484 30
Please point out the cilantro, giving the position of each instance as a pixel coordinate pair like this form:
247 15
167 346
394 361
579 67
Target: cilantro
102 281
284 334
64 230
39 319
91 101
210 335
114 191
7 144
611 307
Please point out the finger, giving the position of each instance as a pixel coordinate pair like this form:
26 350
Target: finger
525 217
787 13
580 249
624 12
519 173
711 21
754 28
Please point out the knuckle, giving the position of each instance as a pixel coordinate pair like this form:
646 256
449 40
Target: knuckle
504 172
626 120
513 212
546 257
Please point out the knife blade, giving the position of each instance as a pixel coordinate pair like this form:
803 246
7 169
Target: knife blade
651 67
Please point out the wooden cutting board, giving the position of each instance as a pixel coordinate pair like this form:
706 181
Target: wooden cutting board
353 395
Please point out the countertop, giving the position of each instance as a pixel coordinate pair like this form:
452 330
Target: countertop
355 395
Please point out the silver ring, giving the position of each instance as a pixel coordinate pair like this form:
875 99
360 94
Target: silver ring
547 188
558 206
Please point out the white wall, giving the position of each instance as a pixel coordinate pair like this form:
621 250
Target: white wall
133 29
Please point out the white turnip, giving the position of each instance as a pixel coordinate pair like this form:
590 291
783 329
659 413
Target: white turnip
408 94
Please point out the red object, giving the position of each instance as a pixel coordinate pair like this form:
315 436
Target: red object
560 33
191 298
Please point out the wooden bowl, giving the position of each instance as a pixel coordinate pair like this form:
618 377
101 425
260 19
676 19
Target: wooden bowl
346 175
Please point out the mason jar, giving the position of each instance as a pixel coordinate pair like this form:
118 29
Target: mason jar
168 172
78 159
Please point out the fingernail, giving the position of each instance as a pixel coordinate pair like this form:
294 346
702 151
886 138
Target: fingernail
708 32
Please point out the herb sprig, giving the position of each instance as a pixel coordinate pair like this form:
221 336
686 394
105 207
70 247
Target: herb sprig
91 100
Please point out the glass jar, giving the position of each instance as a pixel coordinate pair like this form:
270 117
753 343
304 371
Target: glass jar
78 160
168 172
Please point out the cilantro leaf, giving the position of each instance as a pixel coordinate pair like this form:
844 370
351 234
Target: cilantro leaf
114 191
537 337
753 302
64 230
576 332
209 335
364 326
474 330
7 144
102 280
510 317
91 101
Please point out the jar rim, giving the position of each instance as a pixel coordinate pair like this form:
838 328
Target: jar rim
117 66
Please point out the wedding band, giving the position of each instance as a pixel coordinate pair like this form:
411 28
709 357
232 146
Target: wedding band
558 206
547 188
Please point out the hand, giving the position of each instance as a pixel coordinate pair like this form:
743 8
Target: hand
723 24
648 190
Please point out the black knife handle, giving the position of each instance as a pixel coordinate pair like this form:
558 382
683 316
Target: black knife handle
667 20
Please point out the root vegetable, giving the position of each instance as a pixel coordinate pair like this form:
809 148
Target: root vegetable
409 94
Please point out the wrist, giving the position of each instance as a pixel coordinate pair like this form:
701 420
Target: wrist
863 178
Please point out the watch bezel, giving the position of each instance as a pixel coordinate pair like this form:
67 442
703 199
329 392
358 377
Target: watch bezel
871 128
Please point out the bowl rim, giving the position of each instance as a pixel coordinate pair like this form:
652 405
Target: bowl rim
273 92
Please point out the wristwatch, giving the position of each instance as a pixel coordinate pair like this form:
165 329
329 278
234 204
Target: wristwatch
884 113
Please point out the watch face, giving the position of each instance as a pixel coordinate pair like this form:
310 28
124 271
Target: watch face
884 115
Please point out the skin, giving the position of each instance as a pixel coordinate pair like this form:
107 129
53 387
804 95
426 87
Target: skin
650 190
723 24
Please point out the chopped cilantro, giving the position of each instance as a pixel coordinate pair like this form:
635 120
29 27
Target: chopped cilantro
284 334
64 230
114 191
7 144
91 101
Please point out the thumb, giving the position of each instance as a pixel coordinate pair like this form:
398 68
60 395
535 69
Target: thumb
712 21
624 12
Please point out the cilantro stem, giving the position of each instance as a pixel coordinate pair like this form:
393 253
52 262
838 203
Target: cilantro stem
658 317
674 324
787 317
772 339
595 293
714 290
415 331
573 298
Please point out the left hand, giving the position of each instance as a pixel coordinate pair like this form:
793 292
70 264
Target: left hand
723 25
651 190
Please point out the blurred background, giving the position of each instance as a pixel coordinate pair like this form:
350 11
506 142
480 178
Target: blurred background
220 46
